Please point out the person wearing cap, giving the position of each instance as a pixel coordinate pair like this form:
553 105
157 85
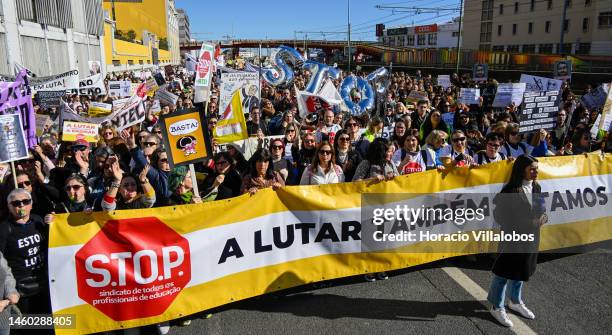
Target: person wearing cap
80 160
180 185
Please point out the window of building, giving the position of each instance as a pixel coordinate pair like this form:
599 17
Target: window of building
583 49
498 48
432 39
455 34
566 24
587 3
530 28
499 30
485 32
141 62
501 9
116 62
532 6
411 40
514 29
421 39
529 48
567 48
549 4
604 20
513 48
546 48
130 62
516 5
547 27
585 24
484 47
569 3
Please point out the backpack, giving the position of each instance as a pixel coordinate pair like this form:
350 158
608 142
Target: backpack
520 144
481 156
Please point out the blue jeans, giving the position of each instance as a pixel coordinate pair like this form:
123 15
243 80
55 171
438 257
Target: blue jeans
497 291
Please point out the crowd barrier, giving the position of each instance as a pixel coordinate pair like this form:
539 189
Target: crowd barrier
138 267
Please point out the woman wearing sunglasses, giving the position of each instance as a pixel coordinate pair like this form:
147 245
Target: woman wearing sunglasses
323 169
457 154
223 181
75 196
346 156
128 191
281 164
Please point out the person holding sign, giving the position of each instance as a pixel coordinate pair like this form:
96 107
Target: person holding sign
457 154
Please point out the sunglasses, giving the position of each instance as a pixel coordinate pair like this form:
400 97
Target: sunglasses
325 152
291 130
108 133
149 144
73 187
352 124
24 184
343 138
309 141
458 139
79 148
19 203
277 147
157 132
163 160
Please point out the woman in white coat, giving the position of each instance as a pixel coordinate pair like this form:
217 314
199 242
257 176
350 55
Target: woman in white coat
323 170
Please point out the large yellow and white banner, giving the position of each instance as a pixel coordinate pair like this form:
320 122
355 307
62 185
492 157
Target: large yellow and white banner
131 268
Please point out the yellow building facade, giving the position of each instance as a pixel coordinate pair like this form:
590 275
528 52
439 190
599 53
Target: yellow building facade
136 33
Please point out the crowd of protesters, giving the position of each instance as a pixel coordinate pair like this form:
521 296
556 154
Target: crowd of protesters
130 169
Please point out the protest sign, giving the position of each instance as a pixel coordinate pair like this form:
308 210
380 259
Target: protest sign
166 97
480 72
247 83
119 88
43 122
97 109
539 111
159 78
184 137
151 86
508 93
444 80
449 119
204 68
12 139
49 99
16 98
538 84
133 88
606 112
415 96
127 112
238 257
232 125
72 131
469 96
596 97
563 70
61 82
92 85
94 67
155 107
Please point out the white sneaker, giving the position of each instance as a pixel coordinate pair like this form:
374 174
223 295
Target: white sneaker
500 315
163 328
522 310
185 323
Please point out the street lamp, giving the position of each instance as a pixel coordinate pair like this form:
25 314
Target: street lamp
348 42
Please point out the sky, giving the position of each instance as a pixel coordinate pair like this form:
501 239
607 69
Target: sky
320 19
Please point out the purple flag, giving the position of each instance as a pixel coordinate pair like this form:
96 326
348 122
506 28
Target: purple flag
15 97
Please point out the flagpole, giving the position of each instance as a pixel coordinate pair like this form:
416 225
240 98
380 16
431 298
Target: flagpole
259 90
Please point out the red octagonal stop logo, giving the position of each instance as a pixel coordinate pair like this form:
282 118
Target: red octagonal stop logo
133 268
